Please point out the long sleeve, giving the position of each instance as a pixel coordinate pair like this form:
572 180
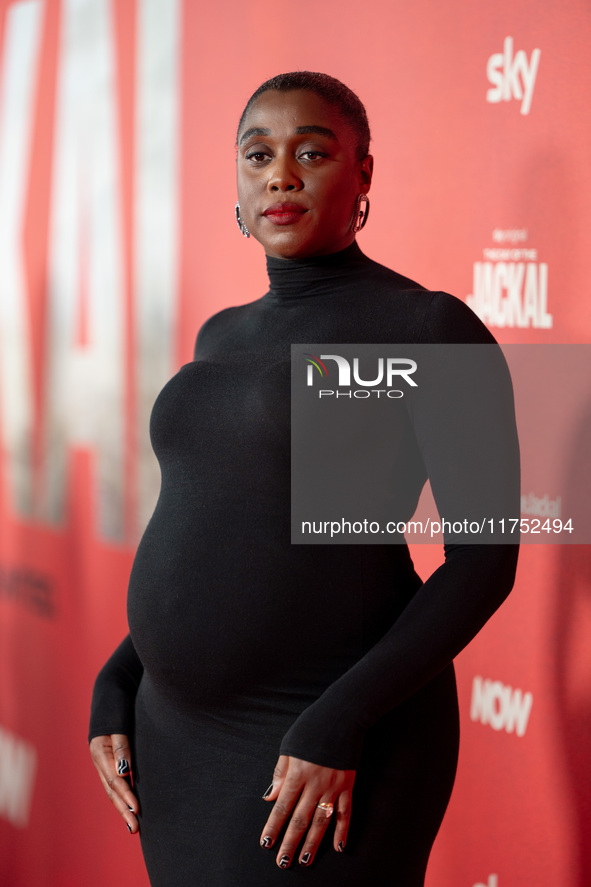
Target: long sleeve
444 616
113 698
466 434
248 639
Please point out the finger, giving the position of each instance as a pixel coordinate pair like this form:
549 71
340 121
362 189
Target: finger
287 798
122 755
306 816
122 758
107 761
272 793
320 820
343 818
126 810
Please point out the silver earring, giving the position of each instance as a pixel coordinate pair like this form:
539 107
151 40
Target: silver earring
244 230
361 213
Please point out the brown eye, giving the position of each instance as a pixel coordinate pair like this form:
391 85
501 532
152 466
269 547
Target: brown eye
312 155
256 156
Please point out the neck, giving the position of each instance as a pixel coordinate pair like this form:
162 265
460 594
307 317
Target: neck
312 276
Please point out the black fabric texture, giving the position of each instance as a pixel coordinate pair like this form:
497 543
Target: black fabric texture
243 645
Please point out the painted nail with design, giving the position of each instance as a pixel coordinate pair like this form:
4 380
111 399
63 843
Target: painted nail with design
268 792
128 827
341 847
284 861
306 858
123 767
267 841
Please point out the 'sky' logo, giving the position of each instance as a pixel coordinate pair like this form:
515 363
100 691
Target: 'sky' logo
512 76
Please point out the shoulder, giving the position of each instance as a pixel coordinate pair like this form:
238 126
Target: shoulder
382 275
423 315
220 326
448 320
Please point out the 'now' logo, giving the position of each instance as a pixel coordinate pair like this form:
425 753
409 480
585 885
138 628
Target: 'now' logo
500 706
512 76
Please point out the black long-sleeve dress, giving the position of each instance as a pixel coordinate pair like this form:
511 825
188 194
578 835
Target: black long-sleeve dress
242 645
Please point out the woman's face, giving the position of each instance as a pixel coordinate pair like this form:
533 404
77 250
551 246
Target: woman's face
298 175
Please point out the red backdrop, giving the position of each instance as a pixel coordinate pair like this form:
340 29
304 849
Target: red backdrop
117 239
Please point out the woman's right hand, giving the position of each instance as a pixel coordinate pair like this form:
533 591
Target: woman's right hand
111 756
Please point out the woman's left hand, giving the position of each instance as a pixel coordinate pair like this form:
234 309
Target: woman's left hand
310 797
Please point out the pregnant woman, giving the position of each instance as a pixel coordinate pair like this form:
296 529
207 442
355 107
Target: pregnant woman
325 670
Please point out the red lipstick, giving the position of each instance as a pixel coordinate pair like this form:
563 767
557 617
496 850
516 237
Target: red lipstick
284 213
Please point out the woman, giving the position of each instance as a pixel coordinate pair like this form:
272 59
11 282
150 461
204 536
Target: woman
243 647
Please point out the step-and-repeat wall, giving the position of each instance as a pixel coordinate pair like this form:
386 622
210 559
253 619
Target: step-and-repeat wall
117 239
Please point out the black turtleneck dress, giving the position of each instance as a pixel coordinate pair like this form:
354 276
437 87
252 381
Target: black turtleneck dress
243 646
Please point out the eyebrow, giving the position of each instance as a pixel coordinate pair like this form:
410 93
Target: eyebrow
319 130
299 130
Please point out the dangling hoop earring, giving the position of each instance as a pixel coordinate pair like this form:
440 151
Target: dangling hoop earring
361 213
243 229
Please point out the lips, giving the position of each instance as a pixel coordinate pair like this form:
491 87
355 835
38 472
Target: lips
284 213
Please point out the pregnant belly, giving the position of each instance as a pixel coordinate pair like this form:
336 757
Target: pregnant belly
222 607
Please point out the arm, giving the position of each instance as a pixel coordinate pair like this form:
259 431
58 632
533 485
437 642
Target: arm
445 614
111 723
456 601
463 421
115 688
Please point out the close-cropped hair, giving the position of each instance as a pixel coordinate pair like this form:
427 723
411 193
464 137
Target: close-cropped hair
347 104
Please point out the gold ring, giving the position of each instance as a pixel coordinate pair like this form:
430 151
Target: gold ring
327 807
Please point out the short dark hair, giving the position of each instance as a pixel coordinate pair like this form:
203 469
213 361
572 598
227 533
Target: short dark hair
349 106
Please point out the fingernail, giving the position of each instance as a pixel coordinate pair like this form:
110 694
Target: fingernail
268 792
341 847
267 841
128 827
284 861
130 808
123 767
306 858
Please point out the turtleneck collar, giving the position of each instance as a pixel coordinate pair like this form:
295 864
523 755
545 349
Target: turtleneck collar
316 276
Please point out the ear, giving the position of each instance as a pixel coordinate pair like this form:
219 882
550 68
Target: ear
365 174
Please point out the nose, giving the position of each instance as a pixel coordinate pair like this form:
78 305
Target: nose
283 176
